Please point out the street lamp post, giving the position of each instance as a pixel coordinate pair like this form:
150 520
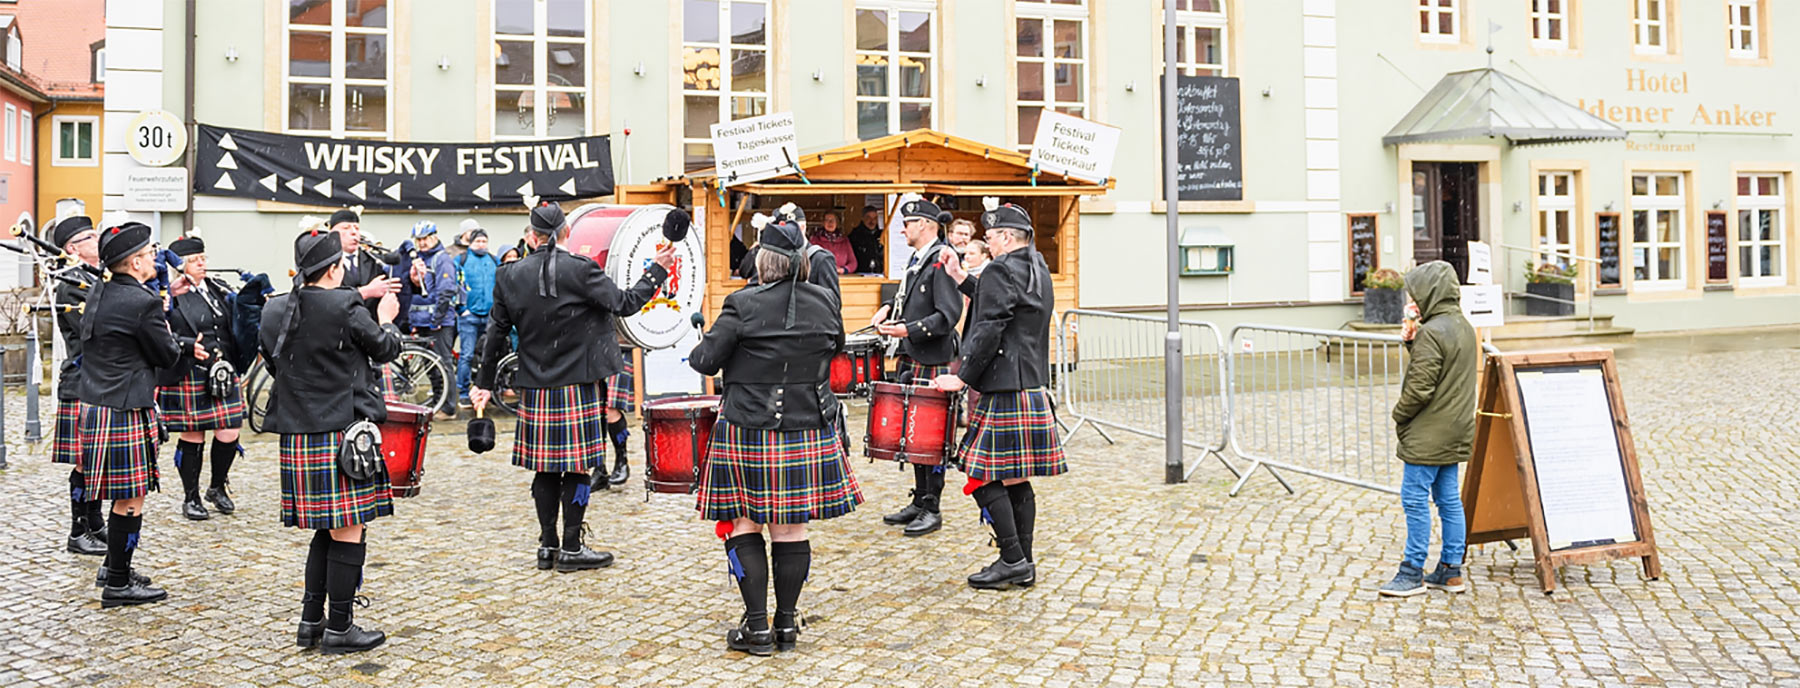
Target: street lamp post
1172 435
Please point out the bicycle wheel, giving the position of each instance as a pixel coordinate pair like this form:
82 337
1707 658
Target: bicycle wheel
417 377
503 384
259 388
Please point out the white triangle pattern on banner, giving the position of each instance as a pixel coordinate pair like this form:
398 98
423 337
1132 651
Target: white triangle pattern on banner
323 187
268 183
568 187
360 190
226 162
227 143
225 182
525 190
297 185
437 193
392 191
481 191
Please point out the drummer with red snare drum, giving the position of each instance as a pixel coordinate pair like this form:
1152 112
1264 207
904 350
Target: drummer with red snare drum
929 308
320 342
774 458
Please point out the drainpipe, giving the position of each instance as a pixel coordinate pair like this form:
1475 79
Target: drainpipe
187 113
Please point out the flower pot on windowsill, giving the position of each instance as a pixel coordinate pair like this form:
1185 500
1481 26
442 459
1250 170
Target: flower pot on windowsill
1566 292
1383 306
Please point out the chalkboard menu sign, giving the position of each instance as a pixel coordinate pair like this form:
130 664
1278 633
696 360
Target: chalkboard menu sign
1607 225
1208 139
1718 249
1362 250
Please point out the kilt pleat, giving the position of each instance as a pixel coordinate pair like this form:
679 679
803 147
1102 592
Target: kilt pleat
776 476
118 452
65 442
1013 435
560 429
188 407
618 388
920 371
315 494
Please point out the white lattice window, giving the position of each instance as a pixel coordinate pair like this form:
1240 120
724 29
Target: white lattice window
1556 217
1052 61
1550 23
896 56
1658 230
1650 26
339 68
1762 229
75 141
1201 33
540 69
1741 29
1439 21
725 70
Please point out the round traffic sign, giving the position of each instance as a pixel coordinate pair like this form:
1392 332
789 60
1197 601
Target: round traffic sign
156 138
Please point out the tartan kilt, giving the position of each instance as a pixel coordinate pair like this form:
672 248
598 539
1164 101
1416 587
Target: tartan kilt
187 407
1012 435
776 476
118 452
920 371
560 429
618 389
65 442
315 494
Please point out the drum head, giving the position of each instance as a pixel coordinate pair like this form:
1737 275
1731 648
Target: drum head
663 322
591 230
401 412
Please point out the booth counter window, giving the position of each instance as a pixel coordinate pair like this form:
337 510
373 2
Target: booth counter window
540 53
1052 61
896 56
338 68
725 70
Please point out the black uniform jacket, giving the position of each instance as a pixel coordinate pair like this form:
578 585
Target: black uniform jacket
931 310
194 317
125 338
564 339
68 380
823 270
324 380
777 377
1007 345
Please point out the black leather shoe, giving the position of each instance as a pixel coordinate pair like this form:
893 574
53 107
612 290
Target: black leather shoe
582 560
133 577
86 544
309 633
352 639
220 500
760 643
904 516
598 480
787 636
132 594
546 558
193 510
621 472
927 523
1001 575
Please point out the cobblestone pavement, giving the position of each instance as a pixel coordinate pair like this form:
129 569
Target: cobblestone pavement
1141 583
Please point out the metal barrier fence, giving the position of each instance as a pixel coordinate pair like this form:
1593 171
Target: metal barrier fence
1110 375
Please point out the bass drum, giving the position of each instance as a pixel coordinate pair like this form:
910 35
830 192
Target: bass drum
624 239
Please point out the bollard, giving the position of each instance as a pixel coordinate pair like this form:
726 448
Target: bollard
34 430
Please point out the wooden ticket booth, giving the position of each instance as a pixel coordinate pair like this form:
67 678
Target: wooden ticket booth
953 172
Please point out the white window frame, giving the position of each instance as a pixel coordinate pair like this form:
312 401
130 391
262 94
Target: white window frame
540 89
1434 10
1655 205
25 136
727 91
1541 17
12 133
337 82
1188 25
93 125
100 65
1757 204
1549 205
1641 23
1741 18
893 99
1047 15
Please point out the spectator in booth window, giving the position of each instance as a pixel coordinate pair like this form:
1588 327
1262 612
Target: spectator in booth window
829 236
475 269
738 251
975 256
961 231
865 242
1435 421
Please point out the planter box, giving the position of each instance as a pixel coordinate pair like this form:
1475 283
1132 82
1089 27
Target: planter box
1565 292
1384 306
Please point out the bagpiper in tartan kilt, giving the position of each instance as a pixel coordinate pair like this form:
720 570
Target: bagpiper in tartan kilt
187 406
619 388
65 441
316 495
1013 435
118 452
560 429
776 476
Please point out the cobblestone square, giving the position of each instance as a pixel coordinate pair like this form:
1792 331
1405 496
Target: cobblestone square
1141 583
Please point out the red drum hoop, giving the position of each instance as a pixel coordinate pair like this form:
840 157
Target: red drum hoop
403 437
677 432
911 423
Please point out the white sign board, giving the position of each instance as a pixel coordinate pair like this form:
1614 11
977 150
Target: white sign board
156 188
754 149
1481 263
1483 305
156 138
1074 146
1575 451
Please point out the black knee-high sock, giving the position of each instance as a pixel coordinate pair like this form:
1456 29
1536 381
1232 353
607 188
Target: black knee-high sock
188 458
544 490
750 566
934 487
121 542
791 561
96 515
921 484
1024 508
574 507
223 453
619 433
78 508
996 509
343 575
312 607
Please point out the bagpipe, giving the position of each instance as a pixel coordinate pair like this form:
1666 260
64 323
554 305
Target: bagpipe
244 307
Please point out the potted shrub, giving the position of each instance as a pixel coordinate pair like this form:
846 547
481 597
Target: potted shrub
1553 281
1384 296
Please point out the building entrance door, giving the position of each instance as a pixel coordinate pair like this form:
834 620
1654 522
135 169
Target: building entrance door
1446 213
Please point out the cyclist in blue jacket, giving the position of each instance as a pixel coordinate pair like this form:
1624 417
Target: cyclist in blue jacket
437 294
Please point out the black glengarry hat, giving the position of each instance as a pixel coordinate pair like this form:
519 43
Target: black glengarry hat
345 215
118 243
316 251
922 209
65 229
1005 216
548 218
187 246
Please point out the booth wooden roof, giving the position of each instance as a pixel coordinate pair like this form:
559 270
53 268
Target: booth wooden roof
917 157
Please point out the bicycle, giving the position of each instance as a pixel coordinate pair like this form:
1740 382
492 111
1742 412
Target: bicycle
417 376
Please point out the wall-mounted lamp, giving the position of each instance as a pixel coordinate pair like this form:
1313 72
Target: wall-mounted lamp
818 75
1268 91
1518 206
639 69
1387 208
231 53
1718 204
443 63
981 81
1131 86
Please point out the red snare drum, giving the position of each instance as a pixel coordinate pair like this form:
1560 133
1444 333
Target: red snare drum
911 423
859 364
403 446
676 434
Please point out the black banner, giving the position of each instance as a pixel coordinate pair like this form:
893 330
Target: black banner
314 170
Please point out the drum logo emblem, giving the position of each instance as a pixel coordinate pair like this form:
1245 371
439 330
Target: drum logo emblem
671 288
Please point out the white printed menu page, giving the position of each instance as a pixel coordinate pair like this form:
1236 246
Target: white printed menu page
1575 454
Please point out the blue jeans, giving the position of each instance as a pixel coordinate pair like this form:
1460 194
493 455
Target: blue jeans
468 328
1419 487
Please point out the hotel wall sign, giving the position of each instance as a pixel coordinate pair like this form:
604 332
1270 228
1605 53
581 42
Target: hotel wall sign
315 170
1660 112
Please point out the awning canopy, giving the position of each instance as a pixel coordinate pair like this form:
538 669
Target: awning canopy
1485 102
